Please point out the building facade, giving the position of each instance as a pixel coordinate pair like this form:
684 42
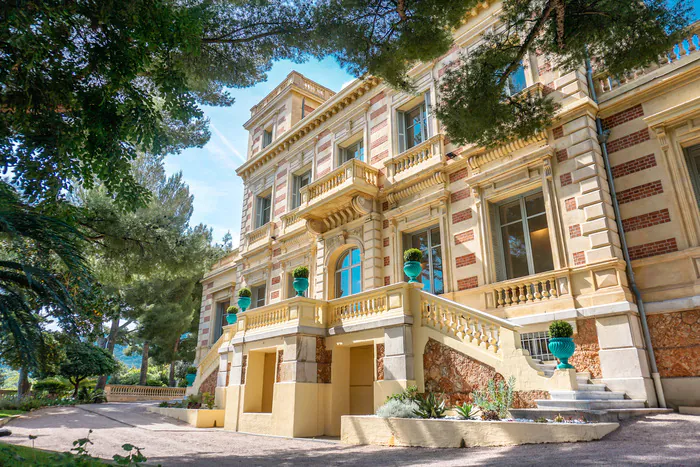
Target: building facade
513 238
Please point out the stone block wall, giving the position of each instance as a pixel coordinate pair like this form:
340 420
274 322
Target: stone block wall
586 357
676 340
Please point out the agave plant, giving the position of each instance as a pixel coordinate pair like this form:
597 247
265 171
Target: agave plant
465 411
430 407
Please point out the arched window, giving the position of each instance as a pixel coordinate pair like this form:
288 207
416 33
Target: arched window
348 274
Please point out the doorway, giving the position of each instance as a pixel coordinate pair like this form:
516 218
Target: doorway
362 380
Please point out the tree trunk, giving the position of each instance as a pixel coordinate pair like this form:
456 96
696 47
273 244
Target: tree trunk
23 385
144 365
111 342
171 381
76 387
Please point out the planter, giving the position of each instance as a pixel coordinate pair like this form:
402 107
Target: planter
562 348
200 418
244 303
231 318
433 433
412 270
190 380
301 284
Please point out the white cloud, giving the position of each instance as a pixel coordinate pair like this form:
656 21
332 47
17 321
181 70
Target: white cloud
347 83
227 143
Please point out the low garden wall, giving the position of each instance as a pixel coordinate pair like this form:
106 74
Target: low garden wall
444 433
125 393
200 418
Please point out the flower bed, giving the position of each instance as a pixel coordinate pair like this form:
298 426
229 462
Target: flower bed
450 433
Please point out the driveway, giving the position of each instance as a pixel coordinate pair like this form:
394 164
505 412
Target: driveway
671 439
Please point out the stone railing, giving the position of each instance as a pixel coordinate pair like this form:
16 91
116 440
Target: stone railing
427 150
210 361
270 315
528 290
294 78
467 324
291 221
350 172
683 51
383 301
124 393
290 312
260 233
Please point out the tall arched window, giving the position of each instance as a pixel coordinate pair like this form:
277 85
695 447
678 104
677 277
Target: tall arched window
348 274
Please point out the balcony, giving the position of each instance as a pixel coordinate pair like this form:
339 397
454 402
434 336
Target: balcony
417 162
291 222
338 189
683 53
258 239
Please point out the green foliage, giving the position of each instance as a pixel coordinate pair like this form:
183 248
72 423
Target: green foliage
245 292
232 310
496 398
396 408
540 420
133 457
413 254
208 400
164 404
191 370
84 360
560 329
465 411
300 272
490 415
408 394
558 419
14 455
430 407
51 386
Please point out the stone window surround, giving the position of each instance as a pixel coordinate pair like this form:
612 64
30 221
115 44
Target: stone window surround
676 129
531 173
348 138
332 257
308 167
400 102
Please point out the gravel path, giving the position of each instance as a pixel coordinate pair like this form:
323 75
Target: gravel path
671 439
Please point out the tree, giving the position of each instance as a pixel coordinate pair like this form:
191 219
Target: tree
84 360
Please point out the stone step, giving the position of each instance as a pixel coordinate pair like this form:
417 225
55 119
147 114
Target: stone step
594 404
586 395
591 387
581 378
615 415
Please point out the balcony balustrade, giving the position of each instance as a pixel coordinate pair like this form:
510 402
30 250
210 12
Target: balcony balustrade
683 52
291 222
417 160
258 238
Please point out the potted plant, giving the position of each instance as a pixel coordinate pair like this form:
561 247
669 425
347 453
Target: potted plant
244 298
411 263
301 280
560 343
231 313
191 375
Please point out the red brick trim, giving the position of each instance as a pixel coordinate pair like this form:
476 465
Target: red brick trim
558 132
387 260
460 195
276 280
565 179
379 126
377 112
459 175
385 224
461 216
382 155
282 174
623 117
628 141
275 294
653 248
468 283
376 98
386 242
464 237
579 258
324 146
465 260
640 192
570 204
387 280
379 141
575 230
633 166
562 155
646 220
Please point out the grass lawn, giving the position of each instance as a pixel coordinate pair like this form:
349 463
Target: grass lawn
8 413
11 455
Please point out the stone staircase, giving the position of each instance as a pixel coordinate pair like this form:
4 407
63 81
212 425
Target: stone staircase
592 401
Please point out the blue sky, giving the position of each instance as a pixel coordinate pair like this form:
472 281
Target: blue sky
211 171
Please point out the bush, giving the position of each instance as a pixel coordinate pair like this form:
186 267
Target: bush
430 407
51 386
191 370
395 408
208 400
465 411
232 310
193 401
408 394
301 272
496 399
560 329
413 254
245 292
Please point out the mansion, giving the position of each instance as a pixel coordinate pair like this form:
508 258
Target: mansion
512 237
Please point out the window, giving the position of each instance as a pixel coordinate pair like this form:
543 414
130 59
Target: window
348 274
354 151
536 344
257 296
220 319
693 158
523 235
266 137
262 210
414 127
516 82
290 286
298 183
428 242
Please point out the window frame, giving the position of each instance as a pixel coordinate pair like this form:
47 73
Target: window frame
407 236
255 296
693 169
260 210
339 269
266 141
526 233
343 152
426 119
296 188
220 317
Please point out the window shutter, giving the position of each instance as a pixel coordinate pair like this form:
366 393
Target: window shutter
258 212
402 131
497 243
